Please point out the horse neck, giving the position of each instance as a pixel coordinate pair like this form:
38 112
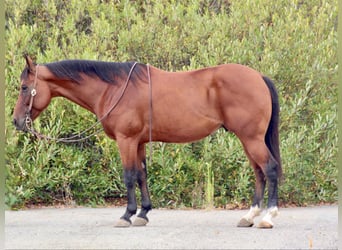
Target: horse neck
86 93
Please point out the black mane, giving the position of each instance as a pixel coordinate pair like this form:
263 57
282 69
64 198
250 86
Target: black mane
106 71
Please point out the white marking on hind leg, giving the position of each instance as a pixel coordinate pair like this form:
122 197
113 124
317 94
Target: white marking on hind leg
252 213
247 220
267 219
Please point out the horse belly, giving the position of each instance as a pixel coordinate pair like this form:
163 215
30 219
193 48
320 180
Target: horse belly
186 128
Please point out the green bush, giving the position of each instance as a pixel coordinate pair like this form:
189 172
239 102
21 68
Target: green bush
293 42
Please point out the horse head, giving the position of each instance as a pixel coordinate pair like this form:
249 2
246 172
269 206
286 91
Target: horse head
34 95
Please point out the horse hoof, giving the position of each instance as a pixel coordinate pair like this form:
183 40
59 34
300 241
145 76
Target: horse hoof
245 223
265 225
123 223
138 222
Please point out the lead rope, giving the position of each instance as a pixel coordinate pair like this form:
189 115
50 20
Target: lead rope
71 138
150 118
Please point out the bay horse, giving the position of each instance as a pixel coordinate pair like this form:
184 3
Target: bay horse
184 107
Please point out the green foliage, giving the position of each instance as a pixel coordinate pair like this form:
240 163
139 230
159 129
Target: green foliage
293 42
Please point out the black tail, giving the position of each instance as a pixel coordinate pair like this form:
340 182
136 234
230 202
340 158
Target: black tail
272 134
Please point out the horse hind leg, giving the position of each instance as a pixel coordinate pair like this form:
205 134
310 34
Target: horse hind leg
265 168
248 219
272 205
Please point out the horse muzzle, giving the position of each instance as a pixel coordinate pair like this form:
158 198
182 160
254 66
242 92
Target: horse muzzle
21 124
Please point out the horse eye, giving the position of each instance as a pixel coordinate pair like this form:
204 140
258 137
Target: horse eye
24 88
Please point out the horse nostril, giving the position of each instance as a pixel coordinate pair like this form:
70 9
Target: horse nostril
15 122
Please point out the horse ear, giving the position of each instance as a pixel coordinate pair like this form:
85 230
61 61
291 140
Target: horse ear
29 63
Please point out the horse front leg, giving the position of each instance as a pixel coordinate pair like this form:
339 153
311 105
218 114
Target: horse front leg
130 178
146 204
134 162
129 157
